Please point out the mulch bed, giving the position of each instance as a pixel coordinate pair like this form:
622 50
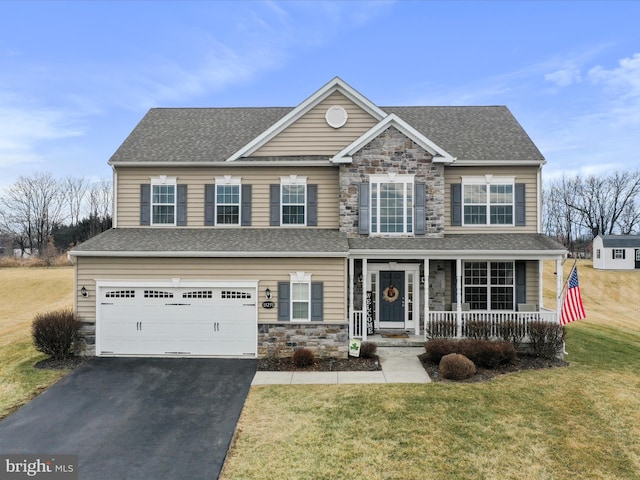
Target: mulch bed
350 364
522 362
53 364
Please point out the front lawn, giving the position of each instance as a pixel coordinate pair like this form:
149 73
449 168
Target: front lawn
25 292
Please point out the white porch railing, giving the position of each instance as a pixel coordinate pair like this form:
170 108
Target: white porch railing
357 327
492 324
454 324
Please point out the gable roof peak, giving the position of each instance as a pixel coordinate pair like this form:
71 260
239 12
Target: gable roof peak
336 84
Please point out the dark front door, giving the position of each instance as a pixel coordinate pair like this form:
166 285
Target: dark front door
391 300
638 258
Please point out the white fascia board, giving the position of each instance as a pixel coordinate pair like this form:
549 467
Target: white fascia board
462 254
497 163
241 163
336 84
183 254
439 154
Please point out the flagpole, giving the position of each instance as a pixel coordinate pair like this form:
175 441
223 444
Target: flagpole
567 280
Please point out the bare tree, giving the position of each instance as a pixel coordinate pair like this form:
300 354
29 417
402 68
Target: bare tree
100 205
30 210
75 190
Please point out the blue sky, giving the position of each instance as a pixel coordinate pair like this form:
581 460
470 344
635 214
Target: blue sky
76 77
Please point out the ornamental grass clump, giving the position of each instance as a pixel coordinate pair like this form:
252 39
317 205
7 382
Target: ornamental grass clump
456 367
57 333
303 357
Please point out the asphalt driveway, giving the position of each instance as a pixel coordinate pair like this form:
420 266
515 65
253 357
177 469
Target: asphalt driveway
137 418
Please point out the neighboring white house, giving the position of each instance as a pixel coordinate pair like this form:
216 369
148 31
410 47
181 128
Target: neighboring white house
616 252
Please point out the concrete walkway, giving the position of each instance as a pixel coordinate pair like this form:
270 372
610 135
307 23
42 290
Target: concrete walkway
399 365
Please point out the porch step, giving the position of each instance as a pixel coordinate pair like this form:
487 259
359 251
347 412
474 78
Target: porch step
385 341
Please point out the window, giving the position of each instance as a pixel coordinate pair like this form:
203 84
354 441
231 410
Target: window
293 200
228 200
300 296
163 201
489 285
391 203
598 253
618 253
488 200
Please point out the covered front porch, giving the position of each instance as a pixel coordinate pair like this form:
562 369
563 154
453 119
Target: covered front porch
437 294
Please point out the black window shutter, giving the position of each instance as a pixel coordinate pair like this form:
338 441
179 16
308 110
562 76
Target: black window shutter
456 204
454 283
181 205
312 205
145 204
317 301
363 209
624 251
245 221
521 282
420 201
209 205
274 205
520 203
613 253
284 302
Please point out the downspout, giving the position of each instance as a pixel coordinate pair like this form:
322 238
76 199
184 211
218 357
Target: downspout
539 199
114 198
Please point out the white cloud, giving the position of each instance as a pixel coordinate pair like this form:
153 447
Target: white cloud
22 130
564 77
623 81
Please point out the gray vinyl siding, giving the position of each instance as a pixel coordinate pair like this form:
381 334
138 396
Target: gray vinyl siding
311 135
268 271
130 179
526 175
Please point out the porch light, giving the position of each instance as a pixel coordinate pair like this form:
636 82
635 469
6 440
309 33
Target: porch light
267 293
84 292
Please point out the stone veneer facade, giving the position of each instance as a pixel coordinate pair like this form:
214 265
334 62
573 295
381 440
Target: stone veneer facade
282 339
392 152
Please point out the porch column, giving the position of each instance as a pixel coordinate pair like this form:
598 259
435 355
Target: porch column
426 300
364 299
540 284
352 316
559 285
458 297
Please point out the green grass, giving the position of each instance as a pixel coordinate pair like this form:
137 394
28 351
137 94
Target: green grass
30 290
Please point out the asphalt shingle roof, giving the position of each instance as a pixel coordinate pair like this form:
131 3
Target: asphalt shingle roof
292 241
217 240
467 242
214 134
621 241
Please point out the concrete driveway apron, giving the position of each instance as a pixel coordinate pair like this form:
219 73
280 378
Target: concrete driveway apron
137 418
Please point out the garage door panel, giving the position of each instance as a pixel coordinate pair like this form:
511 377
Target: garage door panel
178 321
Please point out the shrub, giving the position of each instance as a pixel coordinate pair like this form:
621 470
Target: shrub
546 338
57 333
368 349
478 329
456 367
303 357
441 329
484 353
511 331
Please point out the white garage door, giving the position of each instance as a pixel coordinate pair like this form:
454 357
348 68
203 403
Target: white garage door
152 320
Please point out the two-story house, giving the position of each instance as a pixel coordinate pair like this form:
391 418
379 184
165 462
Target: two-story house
240 230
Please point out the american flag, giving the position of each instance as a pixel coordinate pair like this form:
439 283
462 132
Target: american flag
572 307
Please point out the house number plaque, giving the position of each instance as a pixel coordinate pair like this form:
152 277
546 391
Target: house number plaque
268 304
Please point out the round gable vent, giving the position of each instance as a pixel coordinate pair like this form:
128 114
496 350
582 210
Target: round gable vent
336 116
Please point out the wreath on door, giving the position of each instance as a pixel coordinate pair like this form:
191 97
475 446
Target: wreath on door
390 294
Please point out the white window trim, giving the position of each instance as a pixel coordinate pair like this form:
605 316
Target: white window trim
293 180
164 180
489 285
391 177
489 180
300 278
228 180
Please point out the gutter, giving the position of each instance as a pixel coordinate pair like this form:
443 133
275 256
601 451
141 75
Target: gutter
202 254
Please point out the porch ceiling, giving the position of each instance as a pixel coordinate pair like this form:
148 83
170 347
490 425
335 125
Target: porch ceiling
513 245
